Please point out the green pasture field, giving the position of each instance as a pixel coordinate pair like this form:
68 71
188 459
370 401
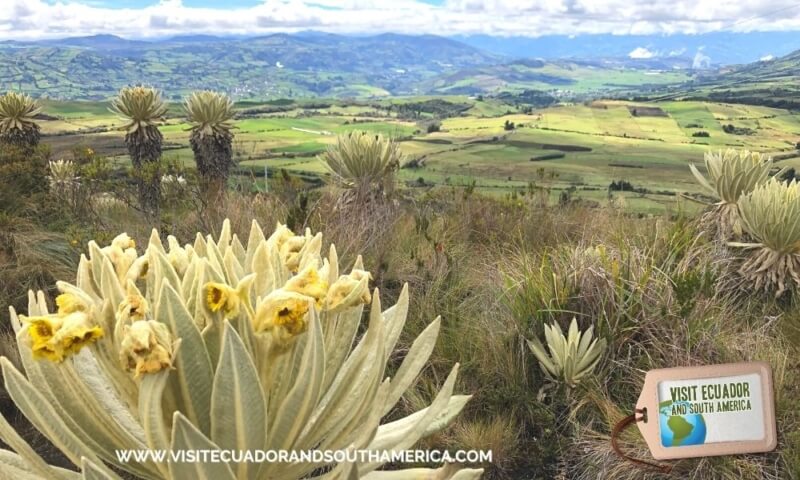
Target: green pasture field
572 77
580 147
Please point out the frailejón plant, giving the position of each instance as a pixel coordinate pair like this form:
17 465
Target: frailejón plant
18 126
363 162
731 173
63 175
210 114
143 109
572 357
771 215
217 345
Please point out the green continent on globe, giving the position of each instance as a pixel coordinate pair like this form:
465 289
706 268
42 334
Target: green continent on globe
680 429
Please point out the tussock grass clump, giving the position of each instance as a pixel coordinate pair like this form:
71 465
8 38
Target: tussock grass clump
614 288
501 435
30 259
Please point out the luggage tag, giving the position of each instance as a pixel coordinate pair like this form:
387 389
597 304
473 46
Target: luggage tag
704 411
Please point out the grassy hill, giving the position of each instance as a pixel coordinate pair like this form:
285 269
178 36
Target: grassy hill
572 77
297 66
771 83
266 67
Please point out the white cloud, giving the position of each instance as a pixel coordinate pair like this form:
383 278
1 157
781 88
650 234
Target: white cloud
767 58
641 53
701 60
26 19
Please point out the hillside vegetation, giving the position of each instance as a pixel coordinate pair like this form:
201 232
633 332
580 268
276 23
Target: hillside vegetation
576 151
382 273
302 65
772 83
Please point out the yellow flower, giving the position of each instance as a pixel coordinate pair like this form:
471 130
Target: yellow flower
348 291
147 347
283 313
53 337
70 303
122 259
178 257
41 331
138 269
123 242
76 332
308 283
282 233
222 297
290 252
134 307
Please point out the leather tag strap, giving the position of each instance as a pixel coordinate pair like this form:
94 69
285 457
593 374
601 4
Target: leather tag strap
622 425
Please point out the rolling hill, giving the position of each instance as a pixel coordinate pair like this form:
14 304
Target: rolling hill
561 77
308 64
263 67
772 83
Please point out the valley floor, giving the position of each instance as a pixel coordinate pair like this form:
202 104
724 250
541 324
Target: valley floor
576 150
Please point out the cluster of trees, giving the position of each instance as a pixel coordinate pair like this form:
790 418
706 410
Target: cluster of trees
209 113
527 100
436 107
433 126
734 130
621 186
773 97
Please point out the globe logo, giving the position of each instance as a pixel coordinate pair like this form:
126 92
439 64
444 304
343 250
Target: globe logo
680 430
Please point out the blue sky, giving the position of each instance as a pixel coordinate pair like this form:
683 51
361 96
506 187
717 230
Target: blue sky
34 19
193 3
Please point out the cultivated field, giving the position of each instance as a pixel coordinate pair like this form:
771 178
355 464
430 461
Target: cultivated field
578 148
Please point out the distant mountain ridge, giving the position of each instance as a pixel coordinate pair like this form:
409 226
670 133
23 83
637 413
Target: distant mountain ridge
721 48
95 67
774 83
312 63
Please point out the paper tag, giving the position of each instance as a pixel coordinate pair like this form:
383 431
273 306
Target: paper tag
710 410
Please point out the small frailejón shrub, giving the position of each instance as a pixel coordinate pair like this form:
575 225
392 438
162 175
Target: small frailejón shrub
731 173
571 357
217 345
62 176
771 215
18 125
364 163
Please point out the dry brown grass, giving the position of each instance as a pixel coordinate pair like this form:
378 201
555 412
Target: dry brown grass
494 272
501 435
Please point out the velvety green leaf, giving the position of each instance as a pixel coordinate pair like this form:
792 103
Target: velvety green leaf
238 403
186 437
191 381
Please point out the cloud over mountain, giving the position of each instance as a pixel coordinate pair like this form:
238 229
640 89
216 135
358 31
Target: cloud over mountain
28 19
641 52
